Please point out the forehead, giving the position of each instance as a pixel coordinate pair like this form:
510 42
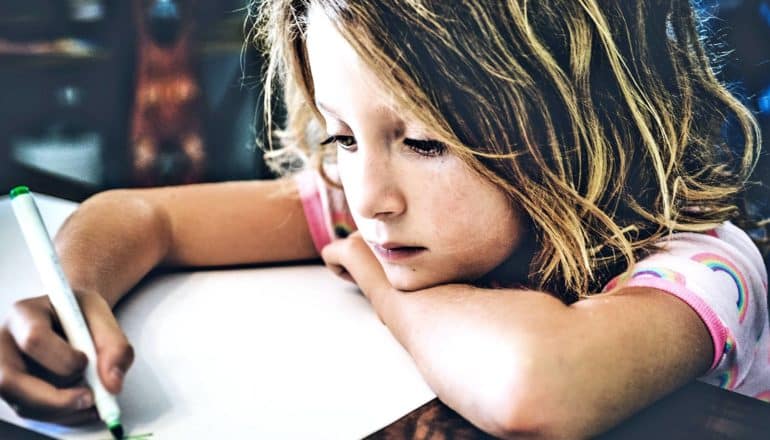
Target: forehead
338 72
322 34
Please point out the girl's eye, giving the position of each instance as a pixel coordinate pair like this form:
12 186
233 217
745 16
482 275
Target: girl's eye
345 142
426 148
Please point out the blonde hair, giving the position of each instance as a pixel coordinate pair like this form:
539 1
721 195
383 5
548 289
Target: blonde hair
602 120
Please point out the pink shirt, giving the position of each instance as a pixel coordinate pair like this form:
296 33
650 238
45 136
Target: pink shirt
719 274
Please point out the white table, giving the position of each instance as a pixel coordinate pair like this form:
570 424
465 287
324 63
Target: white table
283 352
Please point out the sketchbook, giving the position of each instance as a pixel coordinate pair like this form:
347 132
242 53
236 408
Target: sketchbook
273 352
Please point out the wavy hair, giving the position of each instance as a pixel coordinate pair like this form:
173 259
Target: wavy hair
602 120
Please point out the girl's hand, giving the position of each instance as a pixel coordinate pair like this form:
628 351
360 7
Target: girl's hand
352 260
40 372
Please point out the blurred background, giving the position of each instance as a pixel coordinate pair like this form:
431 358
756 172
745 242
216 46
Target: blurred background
98 94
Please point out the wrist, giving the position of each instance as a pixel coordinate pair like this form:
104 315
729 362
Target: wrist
385 301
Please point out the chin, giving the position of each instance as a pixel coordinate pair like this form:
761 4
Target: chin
409 281
406 286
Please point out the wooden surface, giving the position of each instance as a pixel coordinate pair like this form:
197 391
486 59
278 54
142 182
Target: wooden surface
696 411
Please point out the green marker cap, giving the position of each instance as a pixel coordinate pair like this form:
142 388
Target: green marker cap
19 190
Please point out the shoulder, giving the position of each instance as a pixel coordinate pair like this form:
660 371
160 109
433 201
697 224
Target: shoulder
726 249
721 275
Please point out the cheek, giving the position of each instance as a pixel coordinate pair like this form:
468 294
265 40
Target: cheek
345 172
343 167
480 228
457 213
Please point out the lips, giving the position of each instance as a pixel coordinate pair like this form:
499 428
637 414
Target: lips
397 252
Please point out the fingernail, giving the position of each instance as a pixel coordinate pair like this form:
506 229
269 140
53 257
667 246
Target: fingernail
85 401
116 373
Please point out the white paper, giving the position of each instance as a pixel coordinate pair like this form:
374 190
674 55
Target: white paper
282 352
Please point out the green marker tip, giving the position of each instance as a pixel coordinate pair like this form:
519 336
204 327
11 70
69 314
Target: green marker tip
19 190
116 429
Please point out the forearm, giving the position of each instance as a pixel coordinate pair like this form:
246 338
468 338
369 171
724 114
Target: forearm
521 363
110 242
480 350
232 223
117 237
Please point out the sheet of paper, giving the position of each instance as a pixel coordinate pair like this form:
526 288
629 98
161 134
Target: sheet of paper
282 352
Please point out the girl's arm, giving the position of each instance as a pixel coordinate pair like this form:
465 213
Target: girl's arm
111 242
521 363
116 237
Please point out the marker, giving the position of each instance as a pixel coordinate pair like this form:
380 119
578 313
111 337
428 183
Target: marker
63 300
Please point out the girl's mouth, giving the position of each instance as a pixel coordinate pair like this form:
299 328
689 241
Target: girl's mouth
394 252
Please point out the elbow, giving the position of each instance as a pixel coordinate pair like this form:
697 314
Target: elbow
137 204
526 413
535 402
135 214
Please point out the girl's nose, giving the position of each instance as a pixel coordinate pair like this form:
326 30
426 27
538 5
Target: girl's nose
378 193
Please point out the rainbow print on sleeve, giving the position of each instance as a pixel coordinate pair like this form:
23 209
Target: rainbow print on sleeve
660 272
729 344
729 379
718 263
618 280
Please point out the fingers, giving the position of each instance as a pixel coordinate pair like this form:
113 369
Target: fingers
351 259
36 399
333 255
342 273
28 342
30 324
30 396
114 354
77 418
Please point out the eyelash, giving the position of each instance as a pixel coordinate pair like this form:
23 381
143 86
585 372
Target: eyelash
423 148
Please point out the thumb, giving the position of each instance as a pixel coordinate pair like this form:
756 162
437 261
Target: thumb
114 353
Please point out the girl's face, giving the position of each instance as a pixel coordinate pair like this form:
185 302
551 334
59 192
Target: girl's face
427 216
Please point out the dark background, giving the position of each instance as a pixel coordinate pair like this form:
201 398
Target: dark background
65 116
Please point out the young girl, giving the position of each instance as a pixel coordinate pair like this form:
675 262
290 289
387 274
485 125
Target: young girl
541 194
